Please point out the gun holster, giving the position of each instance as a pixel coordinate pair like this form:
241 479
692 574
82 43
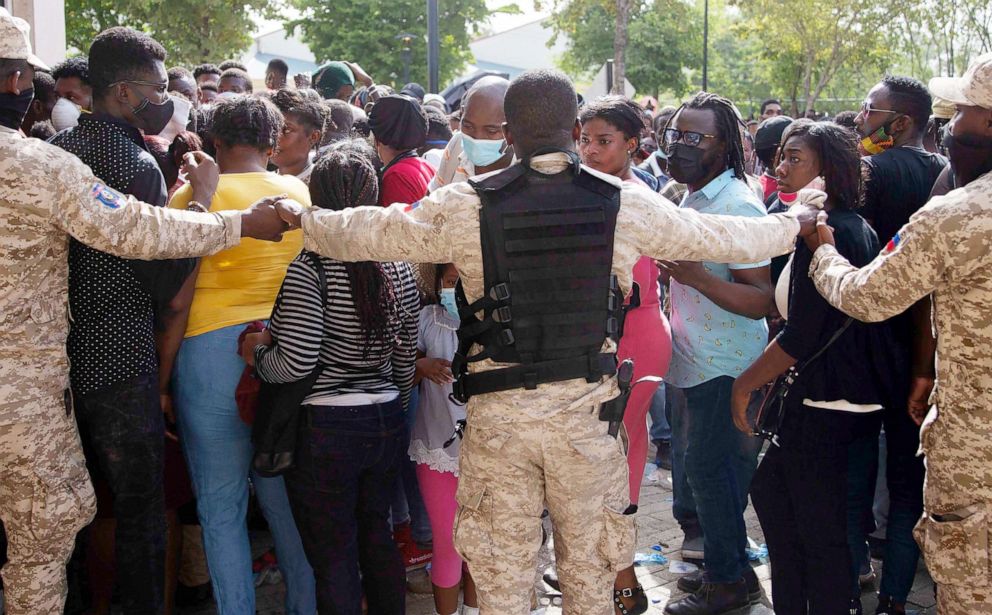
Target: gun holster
612 410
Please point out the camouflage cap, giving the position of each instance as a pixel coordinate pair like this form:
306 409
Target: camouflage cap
15 43
973 89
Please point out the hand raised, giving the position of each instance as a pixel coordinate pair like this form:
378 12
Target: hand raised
203 174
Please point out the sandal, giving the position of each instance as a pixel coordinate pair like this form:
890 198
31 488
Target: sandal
641 604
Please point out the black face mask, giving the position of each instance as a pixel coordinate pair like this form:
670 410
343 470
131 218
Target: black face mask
685 163
971 157
155 116
14 108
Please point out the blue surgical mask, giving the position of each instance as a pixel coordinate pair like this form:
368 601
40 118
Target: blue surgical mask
449 303
483 152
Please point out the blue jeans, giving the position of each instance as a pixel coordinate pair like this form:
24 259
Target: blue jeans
862 459
716 467
904 477
218 451
407 503
683 504
660 427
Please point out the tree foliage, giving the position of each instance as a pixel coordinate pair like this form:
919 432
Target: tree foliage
368 32
192 31
664 37
810 42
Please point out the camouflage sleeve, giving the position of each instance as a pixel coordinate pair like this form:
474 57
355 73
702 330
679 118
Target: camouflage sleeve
908 268
417 233
109 221
662 230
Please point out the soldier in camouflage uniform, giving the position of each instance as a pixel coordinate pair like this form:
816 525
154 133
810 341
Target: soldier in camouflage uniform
47 195
523 448
944 250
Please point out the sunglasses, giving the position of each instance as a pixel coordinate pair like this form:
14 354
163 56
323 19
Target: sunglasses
867 109
689 137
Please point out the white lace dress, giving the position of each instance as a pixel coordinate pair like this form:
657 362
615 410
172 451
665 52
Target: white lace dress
436 413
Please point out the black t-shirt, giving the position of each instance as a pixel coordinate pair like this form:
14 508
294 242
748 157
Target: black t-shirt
897 183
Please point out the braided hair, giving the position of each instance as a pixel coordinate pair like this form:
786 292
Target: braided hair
728 126
345 177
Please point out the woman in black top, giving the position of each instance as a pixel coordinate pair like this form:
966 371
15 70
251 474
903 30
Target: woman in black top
352 440
800 489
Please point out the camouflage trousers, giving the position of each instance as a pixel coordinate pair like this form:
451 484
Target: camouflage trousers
45 499
507 472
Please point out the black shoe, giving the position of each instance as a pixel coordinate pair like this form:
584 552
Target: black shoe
691 583
712 599
640 605
551 579
886 606
193 596
663 458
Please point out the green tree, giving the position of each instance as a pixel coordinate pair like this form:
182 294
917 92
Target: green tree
192 31
663 36
369 32
808 42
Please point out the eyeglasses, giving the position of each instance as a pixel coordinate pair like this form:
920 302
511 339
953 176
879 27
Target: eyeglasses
867 109
159 86
689 137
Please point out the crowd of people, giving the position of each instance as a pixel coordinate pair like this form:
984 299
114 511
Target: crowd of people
397 332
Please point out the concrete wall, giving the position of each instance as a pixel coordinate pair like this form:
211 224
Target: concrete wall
47 19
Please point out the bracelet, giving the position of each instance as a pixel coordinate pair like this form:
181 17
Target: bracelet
195 206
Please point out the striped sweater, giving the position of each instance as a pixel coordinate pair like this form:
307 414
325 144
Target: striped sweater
303 333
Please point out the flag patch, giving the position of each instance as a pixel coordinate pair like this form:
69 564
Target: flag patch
410 207
106 196
893 243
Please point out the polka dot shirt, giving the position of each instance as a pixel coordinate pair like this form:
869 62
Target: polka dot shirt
111 338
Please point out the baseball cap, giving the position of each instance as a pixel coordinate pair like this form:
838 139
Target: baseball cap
973 89
770 131
14 41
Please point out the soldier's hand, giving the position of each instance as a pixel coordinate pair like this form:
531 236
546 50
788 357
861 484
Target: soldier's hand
824 234
290 211
261 221
203 174
919 398
435 370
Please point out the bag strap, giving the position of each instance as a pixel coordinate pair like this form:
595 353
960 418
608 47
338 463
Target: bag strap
830 342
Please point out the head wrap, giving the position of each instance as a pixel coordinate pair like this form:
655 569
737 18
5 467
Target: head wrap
330 77
399 122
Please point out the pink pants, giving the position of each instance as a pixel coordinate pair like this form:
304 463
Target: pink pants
438 491
647 339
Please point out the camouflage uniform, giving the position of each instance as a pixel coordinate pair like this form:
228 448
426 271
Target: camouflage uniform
45 493
522 447
944 249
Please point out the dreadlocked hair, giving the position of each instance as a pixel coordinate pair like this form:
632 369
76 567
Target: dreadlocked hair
729 126
345 177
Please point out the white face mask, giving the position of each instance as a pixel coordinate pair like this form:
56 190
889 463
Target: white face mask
179 121
65 114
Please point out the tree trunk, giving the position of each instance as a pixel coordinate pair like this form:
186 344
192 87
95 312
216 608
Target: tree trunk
620 45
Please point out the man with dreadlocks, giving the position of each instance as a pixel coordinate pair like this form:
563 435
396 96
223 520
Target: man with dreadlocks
542 263
718 329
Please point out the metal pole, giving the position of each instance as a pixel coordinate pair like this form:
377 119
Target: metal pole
406 62
706 43
609 77
433 47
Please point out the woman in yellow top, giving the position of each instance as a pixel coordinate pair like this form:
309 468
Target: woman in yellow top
231 288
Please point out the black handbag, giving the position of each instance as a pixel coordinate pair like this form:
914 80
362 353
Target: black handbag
768 421
277 419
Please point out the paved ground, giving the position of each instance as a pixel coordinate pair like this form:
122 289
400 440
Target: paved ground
656 527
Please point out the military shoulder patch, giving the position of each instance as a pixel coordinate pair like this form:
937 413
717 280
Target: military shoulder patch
893 243
107 196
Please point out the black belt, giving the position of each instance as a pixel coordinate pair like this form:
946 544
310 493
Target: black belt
529 375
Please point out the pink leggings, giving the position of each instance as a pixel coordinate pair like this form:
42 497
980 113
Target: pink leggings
438 490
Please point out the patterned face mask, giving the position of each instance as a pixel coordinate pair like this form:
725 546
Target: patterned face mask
878 141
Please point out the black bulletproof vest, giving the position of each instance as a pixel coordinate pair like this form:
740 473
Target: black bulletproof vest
551 299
